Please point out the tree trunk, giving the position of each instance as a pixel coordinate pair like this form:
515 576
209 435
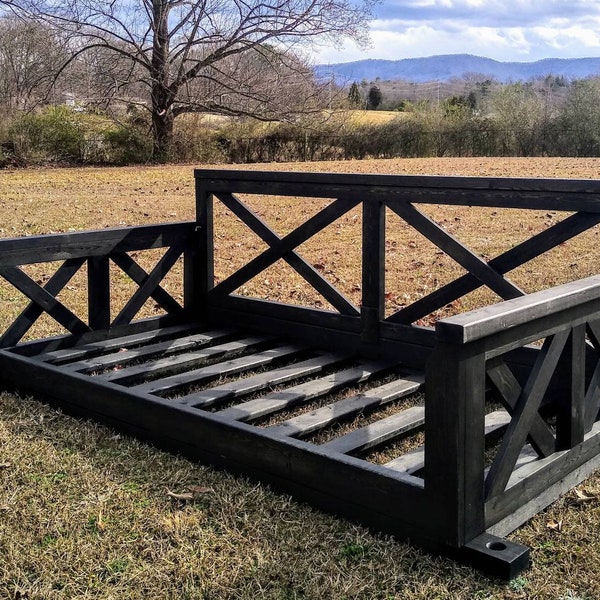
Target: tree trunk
162 131
162 96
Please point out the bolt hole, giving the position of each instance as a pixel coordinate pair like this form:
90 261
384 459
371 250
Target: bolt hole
496 546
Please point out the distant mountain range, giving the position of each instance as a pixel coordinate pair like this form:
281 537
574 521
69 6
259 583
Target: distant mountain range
445 67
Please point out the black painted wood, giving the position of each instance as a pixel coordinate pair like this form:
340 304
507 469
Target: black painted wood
205 269
540 435
469 327
592 396
304 269
139 276
524 414
28 317
505 262
149 286
373 270
479 268
413 461
304 392
123 356
543 480
225 368
261 381
176 364
46 301
85 244
382 431
326 479
539 194
454 427
445 507
292 240
98 292
319 418
122 340
570 418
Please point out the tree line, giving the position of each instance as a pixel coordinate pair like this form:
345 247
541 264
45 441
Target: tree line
82 88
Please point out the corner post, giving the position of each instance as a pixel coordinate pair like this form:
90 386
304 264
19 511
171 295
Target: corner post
199 259
455 440
373 269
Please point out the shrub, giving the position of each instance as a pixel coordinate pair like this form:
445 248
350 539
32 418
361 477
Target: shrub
55 134
125 143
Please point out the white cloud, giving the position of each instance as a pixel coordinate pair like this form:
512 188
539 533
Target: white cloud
521 30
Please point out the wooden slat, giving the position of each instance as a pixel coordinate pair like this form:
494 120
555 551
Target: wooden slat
348 407
27 318
414 460
149 286
291 241
242 306
139 276
65 355
84 244
205 233
540 435
260 381
221 369
524 414
304 392
176 364
123 357
379 432
58 311
304 269
592 400
503 263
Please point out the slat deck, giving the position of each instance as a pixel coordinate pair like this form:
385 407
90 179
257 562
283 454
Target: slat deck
229 366
311 390
332 413
175 364
124 356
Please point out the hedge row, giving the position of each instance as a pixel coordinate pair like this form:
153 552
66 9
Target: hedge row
62 135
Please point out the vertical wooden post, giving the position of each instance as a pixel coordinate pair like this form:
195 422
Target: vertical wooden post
373 269
455 441
199 260
570 422
98 269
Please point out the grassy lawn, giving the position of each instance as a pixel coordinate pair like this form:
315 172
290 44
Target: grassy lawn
88 513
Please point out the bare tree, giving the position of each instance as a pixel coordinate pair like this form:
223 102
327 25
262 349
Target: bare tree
199 55
29 55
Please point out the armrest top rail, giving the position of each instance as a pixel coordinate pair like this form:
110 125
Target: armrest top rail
483 322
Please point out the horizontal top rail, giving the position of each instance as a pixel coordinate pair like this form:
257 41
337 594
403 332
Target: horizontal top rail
530 193
85 244
480 323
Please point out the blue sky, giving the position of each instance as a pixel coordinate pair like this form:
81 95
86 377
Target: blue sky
517 30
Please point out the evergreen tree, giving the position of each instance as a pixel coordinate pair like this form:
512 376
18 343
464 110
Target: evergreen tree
374 98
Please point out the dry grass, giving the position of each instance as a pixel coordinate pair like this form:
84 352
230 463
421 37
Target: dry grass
372 117
84 512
